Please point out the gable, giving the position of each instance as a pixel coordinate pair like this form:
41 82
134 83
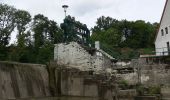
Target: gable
164 22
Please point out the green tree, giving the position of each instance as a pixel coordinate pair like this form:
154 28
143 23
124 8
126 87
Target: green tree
117 35
111 37
46 33
7 23
22 19
45 30
104 23
20 52
139 36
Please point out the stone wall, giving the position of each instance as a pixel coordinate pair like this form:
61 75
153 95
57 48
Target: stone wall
165 91
156 74
75 56
75 83
18 80
23 80
148 74
127 94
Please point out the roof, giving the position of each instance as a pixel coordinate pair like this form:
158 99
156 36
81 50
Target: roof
161 19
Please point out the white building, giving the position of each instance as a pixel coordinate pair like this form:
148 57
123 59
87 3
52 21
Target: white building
162 41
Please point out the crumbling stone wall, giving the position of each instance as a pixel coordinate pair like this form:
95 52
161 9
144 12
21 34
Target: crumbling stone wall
74 55
74 82
148 74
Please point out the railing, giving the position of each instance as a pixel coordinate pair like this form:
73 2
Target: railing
109 50
165 51
106 50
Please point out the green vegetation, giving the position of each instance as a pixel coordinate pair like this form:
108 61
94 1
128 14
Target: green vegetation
123 84
127 39
151 90
36 35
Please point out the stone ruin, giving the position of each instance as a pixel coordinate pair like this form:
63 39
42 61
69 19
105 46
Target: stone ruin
75 55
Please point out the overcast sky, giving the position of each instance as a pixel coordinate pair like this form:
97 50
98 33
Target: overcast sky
87 11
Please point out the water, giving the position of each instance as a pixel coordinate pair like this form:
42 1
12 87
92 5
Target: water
60 98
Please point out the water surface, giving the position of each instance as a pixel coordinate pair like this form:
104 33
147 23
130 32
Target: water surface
60 98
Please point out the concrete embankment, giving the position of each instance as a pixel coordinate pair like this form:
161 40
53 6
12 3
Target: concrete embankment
19 80
73 82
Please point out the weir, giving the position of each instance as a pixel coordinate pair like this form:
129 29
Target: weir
36 82
23 80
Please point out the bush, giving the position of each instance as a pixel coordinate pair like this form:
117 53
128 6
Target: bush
123 84
147 51
152 90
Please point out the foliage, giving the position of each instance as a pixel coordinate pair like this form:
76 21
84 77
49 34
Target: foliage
151 90
135 35
36 35
104 23
140 89
123 84
45 30
154 90
45 53
7 23
22 18
147 51
128 53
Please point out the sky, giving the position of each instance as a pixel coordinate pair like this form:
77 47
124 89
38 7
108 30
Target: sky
87 11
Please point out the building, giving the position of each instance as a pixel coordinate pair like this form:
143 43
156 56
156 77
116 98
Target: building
162 40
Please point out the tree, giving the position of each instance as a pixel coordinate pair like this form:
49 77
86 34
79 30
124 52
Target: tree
139 36
22 18
107 31
46 33
56 34
7 23
111 37
40 24
124 34
104 23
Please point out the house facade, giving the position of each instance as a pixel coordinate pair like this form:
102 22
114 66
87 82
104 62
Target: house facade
162 41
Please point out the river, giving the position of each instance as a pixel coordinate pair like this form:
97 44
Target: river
59 98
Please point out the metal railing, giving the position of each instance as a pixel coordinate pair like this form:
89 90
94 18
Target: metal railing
164 51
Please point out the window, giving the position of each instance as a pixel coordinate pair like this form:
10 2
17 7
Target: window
162 31
168 48
166 30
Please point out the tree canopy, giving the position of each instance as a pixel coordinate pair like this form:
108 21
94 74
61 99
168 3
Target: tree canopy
124 34
35 37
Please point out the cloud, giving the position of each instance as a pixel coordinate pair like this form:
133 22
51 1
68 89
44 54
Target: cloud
87 11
